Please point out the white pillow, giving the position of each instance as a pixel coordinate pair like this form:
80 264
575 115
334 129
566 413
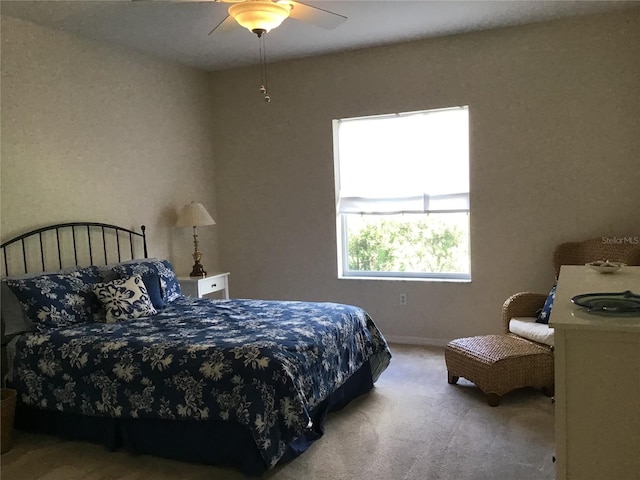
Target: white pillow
528 328
124 298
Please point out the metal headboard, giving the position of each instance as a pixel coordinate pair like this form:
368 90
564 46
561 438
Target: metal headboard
92 241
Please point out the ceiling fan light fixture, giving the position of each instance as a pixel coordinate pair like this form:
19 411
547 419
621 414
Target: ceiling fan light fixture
260 15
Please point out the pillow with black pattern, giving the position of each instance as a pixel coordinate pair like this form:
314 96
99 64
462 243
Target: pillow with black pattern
170 287
545 312
58 299
124 298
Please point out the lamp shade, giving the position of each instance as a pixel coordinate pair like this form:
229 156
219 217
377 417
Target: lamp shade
259 14
194 215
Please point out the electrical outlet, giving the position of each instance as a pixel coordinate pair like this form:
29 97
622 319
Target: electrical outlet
403 299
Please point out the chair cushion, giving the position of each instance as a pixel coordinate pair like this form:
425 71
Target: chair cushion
529 328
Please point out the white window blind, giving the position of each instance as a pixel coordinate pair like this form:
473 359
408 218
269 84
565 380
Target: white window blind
404 163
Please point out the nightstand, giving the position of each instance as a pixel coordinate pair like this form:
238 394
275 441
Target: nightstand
198 287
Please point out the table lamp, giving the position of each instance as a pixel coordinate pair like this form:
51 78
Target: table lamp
195 215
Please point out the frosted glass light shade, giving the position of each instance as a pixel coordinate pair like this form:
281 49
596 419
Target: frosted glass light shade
259 14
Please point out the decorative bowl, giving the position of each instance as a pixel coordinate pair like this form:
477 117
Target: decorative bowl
605 266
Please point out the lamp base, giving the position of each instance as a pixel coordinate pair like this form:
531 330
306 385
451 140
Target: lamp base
198 270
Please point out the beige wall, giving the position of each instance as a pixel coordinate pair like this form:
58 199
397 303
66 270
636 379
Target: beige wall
96 132
555 122
91 132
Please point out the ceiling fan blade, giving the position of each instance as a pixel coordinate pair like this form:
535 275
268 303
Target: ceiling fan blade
226 24
315 15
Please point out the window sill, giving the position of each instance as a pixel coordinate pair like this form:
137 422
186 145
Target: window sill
405 279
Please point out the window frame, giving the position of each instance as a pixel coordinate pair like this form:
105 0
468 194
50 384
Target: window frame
342 229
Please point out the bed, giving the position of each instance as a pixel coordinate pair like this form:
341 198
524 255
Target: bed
109 350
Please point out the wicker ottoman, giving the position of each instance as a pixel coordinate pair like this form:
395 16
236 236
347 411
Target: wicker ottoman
498 364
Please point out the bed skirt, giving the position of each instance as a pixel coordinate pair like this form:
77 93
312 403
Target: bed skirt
207 442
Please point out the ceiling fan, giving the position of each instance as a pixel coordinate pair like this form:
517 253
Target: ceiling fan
261 16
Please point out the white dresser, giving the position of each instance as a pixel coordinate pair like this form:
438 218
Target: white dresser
597 380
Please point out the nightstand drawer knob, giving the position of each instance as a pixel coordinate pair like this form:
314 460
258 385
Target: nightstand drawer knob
214 285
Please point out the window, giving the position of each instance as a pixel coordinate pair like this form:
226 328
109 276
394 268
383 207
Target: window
402 195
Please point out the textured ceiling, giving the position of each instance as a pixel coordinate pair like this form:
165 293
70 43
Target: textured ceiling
179 30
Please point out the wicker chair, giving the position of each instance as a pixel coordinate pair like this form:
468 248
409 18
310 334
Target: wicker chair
526 304
615 249
498 364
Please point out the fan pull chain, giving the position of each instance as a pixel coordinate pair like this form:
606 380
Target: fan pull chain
263 69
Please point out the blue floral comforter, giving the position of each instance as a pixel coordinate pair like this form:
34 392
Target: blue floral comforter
263 364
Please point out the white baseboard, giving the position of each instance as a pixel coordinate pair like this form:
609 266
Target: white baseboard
430 342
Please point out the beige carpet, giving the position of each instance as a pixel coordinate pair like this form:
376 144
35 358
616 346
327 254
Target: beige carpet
412 426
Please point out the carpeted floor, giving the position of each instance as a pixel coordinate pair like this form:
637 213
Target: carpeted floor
412 426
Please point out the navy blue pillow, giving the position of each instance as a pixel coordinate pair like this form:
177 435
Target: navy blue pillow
169 285
58 299
545 312
152 283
